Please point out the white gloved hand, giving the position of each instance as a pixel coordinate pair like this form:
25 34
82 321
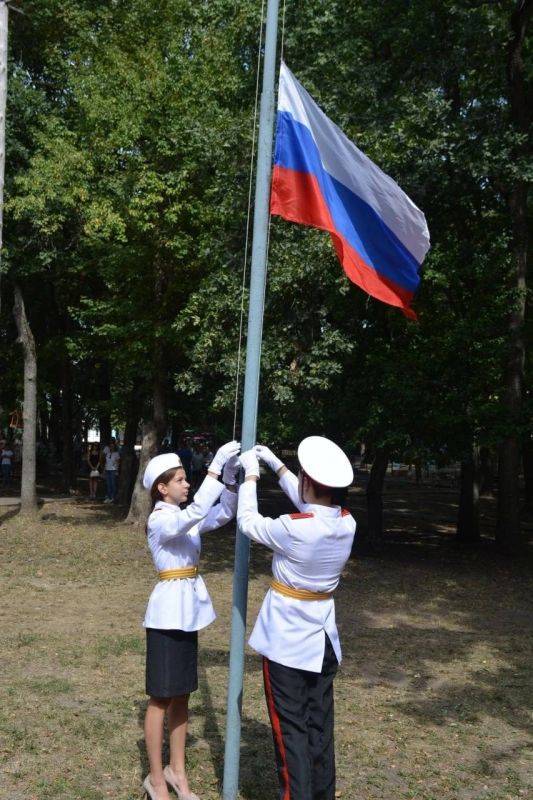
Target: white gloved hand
249 463
229 473
267 456
222 455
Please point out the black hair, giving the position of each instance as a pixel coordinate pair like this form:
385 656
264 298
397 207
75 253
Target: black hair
339 496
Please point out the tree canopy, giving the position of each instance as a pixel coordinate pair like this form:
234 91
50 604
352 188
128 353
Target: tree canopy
129 134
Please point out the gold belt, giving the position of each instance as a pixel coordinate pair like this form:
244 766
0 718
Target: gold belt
299 594
183 572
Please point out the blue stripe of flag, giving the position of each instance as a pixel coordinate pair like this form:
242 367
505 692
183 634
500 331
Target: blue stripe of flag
353 218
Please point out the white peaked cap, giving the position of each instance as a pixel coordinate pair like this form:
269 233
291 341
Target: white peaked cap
325 462
157 465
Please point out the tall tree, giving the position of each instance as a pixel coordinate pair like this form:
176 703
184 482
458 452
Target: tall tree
28 494
520 99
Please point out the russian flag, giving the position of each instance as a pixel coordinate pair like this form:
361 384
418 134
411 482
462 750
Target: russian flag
322 179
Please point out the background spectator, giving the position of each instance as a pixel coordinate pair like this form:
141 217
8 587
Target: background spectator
105 451
93 460
6 457
112 460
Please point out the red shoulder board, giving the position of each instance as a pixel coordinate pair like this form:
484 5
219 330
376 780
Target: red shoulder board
345 512
302 515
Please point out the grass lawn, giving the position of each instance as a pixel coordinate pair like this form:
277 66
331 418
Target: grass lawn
433 699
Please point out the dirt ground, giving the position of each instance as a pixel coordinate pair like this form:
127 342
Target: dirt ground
433 698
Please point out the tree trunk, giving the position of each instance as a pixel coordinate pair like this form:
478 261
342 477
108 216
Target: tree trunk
69 480
152 436
140 500
374 500
104 392
104 427
176 435
28 494
153 431
160 399
527 456
44 420
486 471
468 516
159 372
43 434
128 460
4 20
55 429
508 529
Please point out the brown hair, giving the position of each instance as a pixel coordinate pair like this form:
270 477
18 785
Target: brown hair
165 478
155 494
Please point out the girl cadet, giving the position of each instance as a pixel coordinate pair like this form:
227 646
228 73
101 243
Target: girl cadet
179 605
295 631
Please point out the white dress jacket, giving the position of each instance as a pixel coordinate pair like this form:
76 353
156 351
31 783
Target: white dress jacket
310 551
174 538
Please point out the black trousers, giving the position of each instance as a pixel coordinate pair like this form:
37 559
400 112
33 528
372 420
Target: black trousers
300 705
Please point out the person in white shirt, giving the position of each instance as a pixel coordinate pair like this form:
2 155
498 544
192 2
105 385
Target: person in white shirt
295 630
179 605
112 461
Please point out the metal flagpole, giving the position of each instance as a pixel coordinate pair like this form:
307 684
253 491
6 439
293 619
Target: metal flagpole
251 393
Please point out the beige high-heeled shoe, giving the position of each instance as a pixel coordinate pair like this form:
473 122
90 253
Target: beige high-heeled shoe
149 789
171 780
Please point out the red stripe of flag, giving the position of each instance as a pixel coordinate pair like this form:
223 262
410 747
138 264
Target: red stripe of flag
296 196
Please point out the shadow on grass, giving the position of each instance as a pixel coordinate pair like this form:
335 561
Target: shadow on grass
257 771
451 629
424 606
9 514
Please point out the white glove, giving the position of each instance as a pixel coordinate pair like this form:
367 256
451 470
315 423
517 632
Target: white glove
222 455
267 456
249 463
229 473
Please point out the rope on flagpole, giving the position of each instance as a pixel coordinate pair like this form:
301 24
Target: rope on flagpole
258 270
248 215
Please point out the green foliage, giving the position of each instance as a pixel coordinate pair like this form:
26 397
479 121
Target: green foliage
432 111
129 140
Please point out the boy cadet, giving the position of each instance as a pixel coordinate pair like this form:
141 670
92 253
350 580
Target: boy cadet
295 631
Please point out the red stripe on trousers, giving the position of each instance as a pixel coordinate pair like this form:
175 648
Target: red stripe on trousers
276 727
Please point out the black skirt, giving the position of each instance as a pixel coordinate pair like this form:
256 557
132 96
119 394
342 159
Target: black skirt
171 662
